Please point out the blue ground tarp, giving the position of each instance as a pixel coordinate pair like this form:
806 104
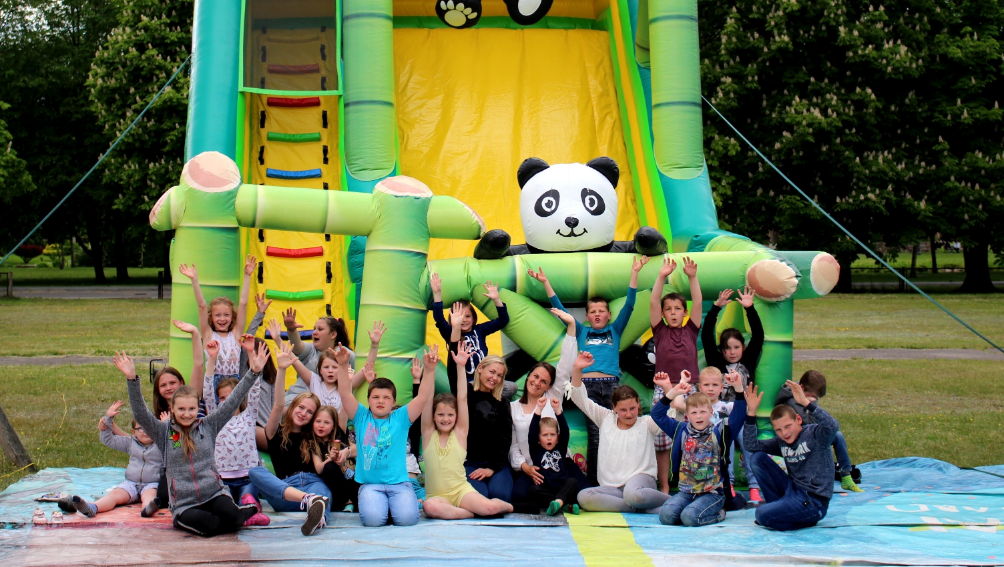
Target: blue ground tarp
913 512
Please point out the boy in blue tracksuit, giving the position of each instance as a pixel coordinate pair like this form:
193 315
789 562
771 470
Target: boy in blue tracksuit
700 455
800 498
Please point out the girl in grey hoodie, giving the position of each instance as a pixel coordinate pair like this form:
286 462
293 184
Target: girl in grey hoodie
200 502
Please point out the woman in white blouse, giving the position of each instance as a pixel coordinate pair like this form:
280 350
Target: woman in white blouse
542 380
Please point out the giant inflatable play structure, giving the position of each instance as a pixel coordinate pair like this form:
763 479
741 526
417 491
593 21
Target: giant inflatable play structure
356 146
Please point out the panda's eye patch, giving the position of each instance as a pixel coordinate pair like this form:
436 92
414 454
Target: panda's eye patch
547 203
593 203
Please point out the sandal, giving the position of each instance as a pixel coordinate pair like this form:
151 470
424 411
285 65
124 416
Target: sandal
38 518
57 519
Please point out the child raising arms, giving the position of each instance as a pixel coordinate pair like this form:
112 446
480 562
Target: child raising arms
382 438
200 502
444 427
142 473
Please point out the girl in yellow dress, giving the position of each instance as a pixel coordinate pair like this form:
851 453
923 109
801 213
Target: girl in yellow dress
444 431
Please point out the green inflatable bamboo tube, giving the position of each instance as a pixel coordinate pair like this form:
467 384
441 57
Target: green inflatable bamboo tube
304 210
370 122
676 87
775 362
642 47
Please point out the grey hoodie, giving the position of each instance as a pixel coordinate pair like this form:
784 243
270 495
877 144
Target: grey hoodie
191 479
145 461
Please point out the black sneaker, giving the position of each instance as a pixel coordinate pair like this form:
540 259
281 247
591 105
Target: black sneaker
65 504
82 506
315 505
151 508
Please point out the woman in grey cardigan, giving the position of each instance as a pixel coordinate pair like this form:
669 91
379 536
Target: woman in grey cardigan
200 502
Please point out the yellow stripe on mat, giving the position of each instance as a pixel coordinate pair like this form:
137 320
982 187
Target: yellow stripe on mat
604 539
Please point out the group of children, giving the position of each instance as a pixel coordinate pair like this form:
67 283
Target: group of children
198 451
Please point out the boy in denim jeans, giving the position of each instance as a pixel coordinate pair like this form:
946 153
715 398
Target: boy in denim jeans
381 441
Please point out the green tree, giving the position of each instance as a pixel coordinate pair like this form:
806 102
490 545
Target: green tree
151 39
14 178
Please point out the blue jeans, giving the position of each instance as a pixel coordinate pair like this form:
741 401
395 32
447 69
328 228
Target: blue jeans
273 488
692 510
786 506
499 485
751 481
843 457
378 501
239 487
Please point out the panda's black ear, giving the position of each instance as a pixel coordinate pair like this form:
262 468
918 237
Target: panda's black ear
530 167
607 167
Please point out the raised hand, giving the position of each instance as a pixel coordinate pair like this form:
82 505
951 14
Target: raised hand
213 348
539 275
753 398
668 267
249 264
416 370
114 409
491 291
377 333
797 392
457 314
689 267
462 355
555 404
289 319
685 376
263 305
247 343
369 372
274 330
735 380
165 416
565 316
638 263
340 353
188 271
431 359
125 365
257 362
541 404
285 356
723 298
583 360
746 297
436 283
184 327
662 380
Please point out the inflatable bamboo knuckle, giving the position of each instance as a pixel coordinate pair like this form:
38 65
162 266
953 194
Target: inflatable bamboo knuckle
356 148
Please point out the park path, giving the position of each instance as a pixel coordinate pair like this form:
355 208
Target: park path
799 354
91 292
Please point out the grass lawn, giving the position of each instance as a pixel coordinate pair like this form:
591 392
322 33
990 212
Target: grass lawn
52 327
897 321
75 276
946 259
886 409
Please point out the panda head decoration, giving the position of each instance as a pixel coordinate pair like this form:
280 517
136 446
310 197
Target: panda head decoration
568 207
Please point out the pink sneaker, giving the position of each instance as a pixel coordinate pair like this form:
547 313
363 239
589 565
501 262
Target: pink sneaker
755 495
258 519
248 499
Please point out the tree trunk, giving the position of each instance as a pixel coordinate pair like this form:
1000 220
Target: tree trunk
977 270
934 256
97 250
121 256
73 251
913 261
844 283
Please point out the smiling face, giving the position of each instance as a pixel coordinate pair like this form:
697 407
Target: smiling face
381 401
323 425
627 412
538 382
568 207
185 410
674 312
733 350
492 374
445 417
302 413
468 321
787 428
141 435
167 384
598 314
221 316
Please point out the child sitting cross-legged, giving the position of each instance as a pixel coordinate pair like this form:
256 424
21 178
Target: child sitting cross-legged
330 451
602 340
813 383
382 438
627 450
142 473
800 498
548 442
700 454
445 422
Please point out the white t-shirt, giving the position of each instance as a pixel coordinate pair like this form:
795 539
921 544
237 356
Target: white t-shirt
320 389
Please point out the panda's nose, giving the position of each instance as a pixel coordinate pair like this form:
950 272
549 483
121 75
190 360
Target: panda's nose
571 222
